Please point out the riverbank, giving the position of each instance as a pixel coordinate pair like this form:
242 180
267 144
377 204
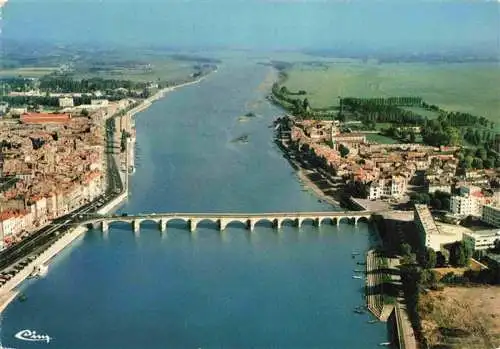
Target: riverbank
8 291
146 103
315 180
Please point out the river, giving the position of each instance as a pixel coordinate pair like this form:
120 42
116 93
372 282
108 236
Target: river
267 289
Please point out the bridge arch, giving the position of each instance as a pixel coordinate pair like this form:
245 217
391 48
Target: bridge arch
199 222
117 221
365 219
286 221
148 220
238 222
314 220
268 220
344 219
327 220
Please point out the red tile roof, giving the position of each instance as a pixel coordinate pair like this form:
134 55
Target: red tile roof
44 118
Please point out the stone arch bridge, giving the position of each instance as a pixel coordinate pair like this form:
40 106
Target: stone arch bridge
223 219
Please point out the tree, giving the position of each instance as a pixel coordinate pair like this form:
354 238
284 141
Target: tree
477 163
429 277
460 254
85 112
497 246
305 104
436 203
481 153
468 162
413 137
489 163
431 258
405 249
344 151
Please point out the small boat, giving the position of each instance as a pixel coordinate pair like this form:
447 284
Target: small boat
360 263
385 344
359 271
357 277
39 271
43 270
372 321
22 297
241 139
355 253
358 311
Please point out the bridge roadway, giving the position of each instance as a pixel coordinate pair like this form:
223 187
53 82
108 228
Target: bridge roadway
223 219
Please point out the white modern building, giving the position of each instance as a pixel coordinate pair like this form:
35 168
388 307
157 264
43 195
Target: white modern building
430 235
470 205
394 187
65 102
491 215
483 239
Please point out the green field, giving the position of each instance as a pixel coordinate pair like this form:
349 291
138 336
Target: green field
164 69
466 87
33 72
373 137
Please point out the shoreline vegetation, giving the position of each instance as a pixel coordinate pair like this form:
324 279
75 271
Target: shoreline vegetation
9 291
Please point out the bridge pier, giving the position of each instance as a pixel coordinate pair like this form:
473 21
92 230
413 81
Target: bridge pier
192 224
163 225
356 221
222 223
136 225
280 223
250 225
104 226
338 221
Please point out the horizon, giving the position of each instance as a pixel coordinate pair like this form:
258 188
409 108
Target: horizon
260 25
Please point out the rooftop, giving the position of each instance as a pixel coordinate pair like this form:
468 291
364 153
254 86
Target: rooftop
484 233
424 215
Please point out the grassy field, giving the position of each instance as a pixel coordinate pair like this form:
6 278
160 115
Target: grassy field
467 87
373 137
34 72
166 69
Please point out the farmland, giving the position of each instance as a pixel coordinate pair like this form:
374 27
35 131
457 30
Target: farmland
465 87
163 69
462 317
28 72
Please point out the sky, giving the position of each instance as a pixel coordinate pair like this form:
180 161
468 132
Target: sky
258 24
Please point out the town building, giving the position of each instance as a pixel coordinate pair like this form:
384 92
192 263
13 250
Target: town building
465 206
430 235
99 102
392 187
65 102
491 215
18 111
483 239
469 203
436 185
4 106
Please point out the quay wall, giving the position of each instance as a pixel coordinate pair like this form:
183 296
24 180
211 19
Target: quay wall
7 292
